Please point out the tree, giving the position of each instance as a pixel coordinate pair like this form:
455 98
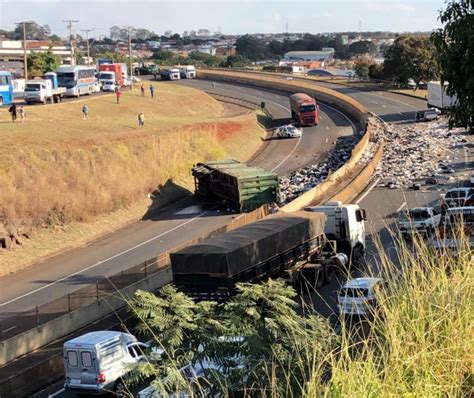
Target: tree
361 67
455 48
362 47
255 338
34 31
376 71
250 47
39 63
235 61
411 57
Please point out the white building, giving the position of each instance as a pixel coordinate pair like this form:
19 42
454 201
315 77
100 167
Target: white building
326 54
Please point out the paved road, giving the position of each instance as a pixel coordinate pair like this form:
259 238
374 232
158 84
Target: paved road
147 238
382 204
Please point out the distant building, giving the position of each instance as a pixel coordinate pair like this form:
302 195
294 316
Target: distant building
326 54
226 50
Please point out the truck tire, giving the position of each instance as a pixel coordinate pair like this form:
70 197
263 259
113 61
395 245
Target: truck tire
357 257
44 101
119 388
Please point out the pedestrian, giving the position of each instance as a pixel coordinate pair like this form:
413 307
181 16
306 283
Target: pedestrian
12 111
141 120
85 111
152 90
21 112
118 93
213 85
142 89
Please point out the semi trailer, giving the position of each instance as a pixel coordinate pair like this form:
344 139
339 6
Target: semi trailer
238 186
293 246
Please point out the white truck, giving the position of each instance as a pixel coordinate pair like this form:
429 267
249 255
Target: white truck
438 97
419 220
107 80
187 72
42 90
345 224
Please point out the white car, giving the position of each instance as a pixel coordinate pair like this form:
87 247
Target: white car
358 296
420 220
108 86
289 131
457 197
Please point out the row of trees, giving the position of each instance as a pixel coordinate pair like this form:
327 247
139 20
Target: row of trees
256 49
164 57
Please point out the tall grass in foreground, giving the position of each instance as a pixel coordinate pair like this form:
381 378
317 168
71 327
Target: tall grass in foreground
418 344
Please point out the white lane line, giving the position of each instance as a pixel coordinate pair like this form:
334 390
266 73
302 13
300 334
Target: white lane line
368 191
327 139
287 156
374 102
7 330
56 393
383 106
105 260
401 207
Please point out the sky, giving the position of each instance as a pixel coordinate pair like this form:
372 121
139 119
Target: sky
228 16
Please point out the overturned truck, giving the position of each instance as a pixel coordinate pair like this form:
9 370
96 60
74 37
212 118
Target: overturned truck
292 246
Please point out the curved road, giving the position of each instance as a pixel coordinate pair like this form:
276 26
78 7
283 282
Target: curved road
145 239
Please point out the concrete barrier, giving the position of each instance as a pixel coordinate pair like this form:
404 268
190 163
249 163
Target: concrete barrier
342 102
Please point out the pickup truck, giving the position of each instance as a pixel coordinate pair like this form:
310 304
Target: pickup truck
41 90
419 220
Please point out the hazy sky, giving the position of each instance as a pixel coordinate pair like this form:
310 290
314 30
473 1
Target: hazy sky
231 16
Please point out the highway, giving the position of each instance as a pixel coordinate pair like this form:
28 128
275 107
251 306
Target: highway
382 204
145 239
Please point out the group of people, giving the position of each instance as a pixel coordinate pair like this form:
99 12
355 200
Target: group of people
17 111
152 90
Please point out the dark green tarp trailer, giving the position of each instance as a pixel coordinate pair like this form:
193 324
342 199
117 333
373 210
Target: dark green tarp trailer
247 254
243 187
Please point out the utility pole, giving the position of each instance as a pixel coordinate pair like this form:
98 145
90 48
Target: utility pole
130 58
25 56
86 31
69 25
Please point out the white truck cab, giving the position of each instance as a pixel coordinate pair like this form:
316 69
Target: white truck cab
42 90
97 361
107 80
345 224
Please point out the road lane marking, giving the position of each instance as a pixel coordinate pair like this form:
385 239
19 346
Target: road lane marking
401 207
368 191
54 394
105 260
374 102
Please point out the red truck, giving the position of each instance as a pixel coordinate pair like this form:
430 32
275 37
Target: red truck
116 68
304 109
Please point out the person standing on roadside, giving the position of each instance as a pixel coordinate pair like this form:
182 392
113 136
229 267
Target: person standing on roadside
12 111
141 120
118 93
85 111
21 112
152 90
142 89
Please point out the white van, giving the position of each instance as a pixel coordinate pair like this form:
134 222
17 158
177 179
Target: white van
96 362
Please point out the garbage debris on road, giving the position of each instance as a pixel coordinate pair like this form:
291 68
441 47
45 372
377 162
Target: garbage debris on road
418 153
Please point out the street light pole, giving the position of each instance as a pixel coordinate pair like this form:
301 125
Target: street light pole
25 56
69 24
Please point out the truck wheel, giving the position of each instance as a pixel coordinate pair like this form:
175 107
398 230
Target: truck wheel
357 258
319 279
329 275
119 388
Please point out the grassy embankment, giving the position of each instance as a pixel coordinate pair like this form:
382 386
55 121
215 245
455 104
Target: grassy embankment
72 179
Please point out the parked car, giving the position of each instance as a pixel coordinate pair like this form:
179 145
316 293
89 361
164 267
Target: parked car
97 362
419 220
289 131
358 296
427 115
457 197
108 86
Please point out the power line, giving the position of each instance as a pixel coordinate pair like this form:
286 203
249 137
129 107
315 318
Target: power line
69 25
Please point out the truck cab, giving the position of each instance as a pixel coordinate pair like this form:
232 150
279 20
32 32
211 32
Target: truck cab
304 110
107 80
38 91
6 88
345 224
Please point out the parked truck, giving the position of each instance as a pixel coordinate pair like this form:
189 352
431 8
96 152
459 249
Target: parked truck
304 109
170 74
438 97
294 246
187 72
116 69
44 90
240 187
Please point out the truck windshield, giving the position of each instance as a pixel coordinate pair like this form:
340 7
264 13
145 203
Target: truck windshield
307 108
67 80
32 87
418 215
106 76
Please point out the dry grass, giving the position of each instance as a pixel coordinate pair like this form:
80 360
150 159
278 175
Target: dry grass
54 174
